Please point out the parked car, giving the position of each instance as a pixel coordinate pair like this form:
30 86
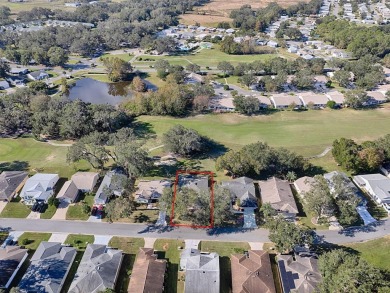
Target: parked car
94 210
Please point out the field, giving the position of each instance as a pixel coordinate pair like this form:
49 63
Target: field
205 57
307 133
219 10
376 252
33 156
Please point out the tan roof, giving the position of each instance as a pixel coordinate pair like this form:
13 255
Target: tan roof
222 102
303 184
85 180
264 100
336 96
278 193
378 96
316 99
148 189
68 190
285 100
321 78
252 273
148 273
384 88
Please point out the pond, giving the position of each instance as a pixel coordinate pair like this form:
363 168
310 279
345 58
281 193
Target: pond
96 92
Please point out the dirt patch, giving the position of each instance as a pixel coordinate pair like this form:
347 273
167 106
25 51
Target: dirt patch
165 246
50 158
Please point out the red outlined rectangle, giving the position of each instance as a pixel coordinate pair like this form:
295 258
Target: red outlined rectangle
211 178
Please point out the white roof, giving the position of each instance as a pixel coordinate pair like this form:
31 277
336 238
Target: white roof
39 186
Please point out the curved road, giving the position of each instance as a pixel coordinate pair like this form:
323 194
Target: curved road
358 234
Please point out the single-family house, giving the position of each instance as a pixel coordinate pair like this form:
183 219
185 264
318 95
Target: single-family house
150 190
16 80
148 273
11 182
348 184
38 187
197 183
38 75
85 181
313 99
336 96
385 169
11 259
115 186
265 102
194 78
272 44
299 273
4 85
68 193
284 101
243 192
278 193
377 186
376 97
303 185
201 272
292 49
98 269
252 272
49 267
230 31
384 88
222 104
18 70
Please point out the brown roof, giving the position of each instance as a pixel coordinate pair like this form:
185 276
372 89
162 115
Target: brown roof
252 273
148 273
303 184
278 193
69 190
85 180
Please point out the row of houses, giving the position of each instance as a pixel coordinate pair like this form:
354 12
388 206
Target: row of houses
251 272
50 265
300 100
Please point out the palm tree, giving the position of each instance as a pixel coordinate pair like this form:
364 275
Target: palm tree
291 176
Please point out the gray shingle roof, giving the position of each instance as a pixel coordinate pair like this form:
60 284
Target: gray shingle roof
244 189
98 269
9 182
48 269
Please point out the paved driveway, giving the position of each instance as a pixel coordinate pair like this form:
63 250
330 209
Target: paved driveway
2 205
58 237
102 239
34 216
249 219
62 209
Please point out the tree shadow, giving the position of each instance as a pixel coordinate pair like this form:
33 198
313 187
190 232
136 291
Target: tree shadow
142 218
143 129
351 231
14 166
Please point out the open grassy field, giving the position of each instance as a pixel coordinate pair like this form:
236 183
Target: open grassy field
307 133
219 10
33 156
169 250
376 252
205 57
26 6
225 250
130 247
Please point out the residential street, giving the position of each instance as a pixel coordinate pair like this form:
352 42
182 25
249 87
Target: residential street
141 230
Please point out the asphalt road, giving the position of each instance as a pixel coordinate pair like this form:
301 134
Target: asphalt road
141 230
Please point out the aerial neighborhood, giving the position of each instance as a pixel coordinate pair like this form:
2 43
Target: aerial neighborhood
194 146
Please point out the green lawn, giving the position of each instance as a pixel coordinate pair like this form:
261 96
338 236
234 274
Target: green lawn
76 212
79 241
15 210
142 216
130 247
49 212
31 155
33 239
225 250
125 56
169 249
206 57
375 252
